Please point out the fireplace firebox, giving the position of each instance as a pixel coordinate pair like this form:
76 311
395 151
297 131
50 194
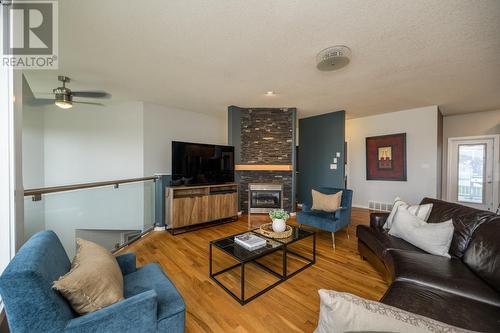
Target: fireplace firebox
262 198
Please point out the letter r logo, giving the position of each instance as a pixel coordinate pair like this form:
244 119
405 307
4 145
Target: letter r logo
31 27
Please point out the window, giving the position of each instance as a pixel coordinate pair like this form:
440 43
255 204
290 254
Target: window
471 172
6 167
472 167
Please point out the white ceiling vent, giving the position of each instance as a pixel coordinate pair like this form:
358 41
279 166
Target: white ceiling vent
333 58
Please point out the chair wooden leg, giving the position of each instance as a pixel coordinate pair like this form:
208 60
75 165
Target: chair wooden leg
347 232
333 240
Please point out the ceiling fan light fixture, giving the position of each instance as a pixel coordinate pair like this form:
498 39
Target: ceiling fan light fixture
64 101
63 96
64 104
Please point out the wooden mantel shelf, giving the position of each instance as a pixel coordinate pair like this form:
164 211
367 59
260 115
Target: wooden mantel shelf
263 167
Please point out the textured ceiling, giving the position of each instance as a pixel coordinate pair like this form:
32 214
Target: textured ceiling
206 55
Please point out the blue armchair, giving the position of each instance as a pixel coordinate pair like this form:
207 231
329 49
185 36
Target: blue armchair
325 220
151 304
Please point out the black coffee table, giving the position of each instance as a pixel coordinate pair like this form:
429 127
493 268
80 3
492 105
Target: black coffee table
244 257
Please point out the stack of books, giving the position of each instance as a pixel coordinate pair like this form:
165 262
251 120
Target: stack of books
250 241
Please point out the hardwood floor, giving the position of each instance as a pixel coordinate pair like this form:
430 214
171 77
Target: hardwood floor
292 306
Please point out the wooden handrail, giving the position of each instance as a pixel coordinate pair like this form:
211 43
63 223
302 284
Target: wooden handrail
37 192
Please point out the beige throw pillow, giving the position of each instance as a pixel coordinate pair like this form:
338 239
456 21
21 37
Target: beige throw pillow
94 281
326 202
343 312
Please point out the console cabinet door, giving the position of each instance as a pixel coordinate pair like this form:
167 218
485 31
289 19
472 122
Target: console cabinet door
214 207
190 206
230 205
190 210
223 206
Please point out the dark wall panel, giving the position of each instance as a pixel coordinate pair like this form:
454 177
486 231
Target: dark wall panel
320 138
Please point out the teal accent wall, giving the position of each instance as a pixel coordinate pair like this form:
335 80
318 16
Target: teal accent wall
294 159
160 185
320 138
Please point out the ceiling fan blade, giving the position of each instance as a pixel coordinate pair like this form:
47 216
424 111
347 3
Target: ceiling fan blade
40 101
89 103
44 93
91 94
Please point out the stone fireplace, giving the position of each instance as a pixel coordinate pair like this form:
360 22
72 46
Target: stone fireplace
264 141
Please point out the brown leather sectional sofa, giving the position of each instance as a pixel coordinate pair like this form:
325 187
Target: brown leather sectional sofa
463 291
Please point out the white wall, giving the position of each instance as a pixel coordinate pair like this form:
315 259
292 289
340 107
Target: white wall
125 140
421 128
162 125
93 143
33 137
33 162
470 124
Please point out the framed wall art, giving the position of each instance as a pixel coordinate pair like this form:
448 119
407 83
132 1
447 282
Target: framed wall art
386 157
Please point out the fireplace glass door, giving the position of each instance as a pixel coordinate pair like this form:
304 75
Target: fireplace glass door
265 199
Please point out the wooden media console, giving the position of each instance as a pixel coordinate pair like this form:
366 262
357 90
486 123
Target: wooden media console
188 206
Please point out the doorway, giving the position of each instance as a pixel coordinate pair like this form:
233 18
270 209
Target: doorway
473 164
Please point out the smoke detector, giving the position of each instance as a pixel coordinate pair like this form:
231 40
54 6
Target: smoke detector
333 58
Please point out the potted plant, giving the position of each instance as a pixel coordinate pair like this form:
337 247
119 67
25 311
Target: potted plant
279 217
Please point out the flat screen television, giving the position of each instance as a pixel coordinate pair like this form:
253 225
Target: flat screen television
199 163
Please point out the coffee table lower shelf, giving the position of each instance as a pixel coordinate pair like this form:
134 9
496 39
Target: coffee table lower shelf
282 276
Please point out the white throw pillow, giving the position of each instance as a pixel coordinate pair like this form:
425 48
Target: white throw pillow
422 211
434 238
343 312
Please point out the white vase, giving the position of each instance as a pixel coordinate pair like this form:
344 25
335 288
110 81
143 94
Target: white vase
279 225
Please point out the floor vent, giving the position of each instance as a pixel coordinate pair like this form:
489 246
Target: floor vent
380 206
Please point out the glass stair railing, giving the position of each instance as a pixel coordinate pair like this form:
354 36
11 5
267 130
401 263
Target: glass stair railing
111 214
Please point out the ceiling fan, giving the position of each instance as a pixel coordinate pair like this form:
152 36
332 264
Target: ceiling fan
63 96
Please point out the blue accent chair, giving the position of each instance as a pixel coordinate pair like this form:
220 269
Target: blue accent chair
325 220
151 304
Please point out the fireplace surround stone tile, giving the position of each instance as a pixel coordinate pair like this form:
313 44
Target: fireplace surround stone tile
264 136
272 177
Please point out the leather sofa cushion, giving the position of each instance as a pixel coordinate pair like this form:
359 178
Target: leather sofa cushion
377 220
444 210
378 240
465 221
483 254
465 226
446 274
447 307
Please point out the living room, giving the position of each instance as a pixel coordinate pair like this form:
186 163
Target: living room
355 143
